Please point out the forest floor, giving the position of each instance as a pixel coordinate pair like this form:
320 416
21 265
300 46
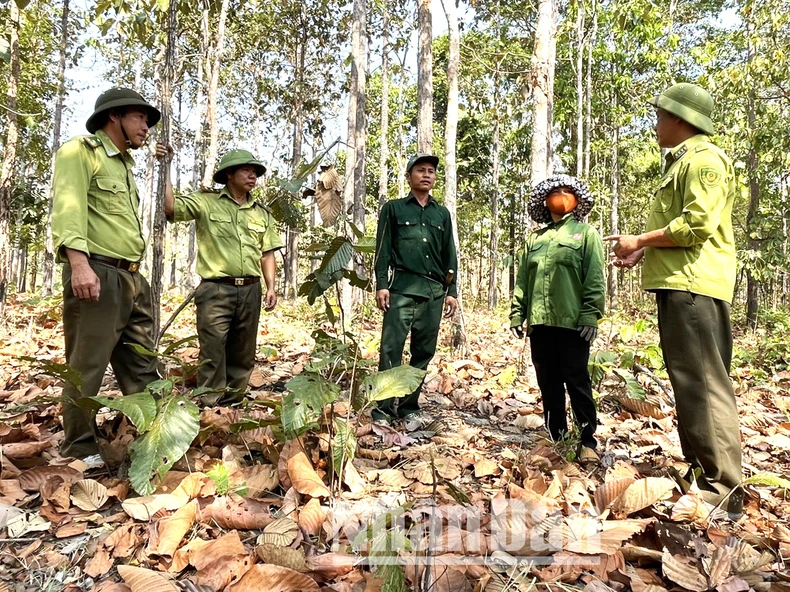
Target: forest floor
477 499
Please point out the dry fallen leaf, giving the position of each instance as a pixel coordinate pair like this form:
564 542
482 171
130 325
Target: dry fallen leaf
281 532
682 572
260 479
172 529
283 556
273 578
485 467
643 493
304 478
33 479
239 513
146 580
312 517
590 536
88 495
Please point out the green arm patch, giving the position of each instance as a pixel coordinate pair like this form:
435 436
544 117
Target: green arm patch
710 176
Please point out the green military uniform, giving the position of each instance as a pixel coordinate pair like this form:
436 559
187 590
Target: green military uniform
231 240
694 285
95 210
415 250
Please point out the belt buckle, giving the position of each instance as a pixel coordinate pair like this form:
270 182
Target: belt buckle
238 281
133 267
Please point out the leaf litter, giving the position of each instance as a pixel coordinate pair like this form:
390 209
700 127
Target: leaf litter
479 500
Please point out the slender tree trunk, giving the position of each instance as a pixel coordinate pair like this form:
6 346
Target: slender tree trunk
359 77
34 271
579 88
494 232
215 65
614 224
588 93
752 219
542 92
424 78
49 256
9 154
401 158
159 221
384 121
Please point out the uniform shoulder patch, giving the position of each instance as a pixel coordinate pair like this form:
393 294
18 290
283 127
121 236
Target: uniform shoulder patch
92 141
710 176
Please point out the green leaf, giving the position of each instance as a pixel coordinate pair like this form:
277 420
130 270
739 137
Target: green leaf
330 312
355 229
394 578
395 382
22 4
601 363
635 390
140 408
220 475
285 210
344 446
302 405
366 244
337 256
362 282
63 371
143 351
457 494
176 425
768 480
176 344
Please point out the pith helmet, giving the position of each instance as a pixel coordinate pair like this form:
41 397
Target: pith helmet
421 157
692 103
236 158
115 98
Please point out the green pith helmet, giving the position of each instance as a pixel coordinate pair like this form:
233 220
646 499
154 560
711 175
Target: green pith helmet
115 98
422 157
692 103
236 158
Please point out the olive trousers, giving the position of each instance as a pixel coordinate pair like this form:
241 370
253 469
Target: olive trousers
227 324
421 317
99 333
696 340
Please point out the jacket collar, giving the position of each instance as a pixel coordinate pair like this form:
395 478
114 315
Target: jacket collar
111 149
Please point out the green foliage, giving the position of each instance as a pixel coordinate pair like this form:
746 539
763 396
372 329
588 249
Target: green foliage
344 446
768 480
395 382
307 395
140 408
62 371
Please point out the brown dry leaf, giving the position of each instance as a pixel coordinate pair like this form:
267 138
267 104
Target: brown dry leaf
146 580
260 479
283 556
312 517
107 586
281 532
223 571
485 467
351 477
195 485
332 565
589 536
58 493
327 195
609 491
225 546
273 578
735 584
99 564
184 556
10 491
239 513
88 495
718 566
692 508
746 559
70 529
641 407
23 450
394 478
33 479
144 508
683 573
172 529
290 448
124 540
643 493
529 422
304 478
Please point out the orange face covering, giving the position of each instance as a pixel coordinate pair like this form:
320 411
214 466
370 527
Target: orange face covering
561 201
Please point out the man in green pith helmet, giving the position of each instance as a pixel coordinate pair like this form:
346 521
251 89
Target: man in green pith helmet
237 239
98 237
688 256
415 277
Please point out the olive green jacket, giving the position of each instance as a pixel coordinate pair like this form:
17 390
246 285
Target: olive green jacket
231 238
694 204
560 277
95 203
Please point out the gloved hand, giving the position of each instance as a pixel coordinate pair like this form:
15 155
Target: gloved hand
517 332
588 333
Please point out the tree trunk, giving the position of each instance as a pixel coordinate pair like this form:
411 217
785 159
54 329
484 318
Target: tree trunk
159 220
579 88
214 65
752 219
425 78
614 223
49 256
359 80
384 121
450 160
542 92
9 154
588 94
493 255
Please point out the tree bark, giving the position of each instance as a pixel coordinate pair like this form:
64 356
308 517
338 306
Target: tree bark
542 92
579 88
425 78
614 223
752 218
9 154
215 65
159 220
49 256
588 93
493 236
384 120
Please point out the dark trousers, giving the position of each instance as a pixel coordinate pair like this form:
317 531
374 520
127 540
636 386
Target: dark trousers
420 317
97 334
560 358
696 340
227 324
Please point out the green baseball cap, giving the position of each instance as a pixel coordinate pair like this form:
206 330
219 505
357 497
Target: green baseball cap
692 103
422 157
115 98
236 158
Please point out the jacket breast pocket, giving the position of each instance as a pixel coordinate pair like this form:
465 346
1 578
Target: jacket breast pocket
110 195
535 253
569 252
409 229
665 195
221 224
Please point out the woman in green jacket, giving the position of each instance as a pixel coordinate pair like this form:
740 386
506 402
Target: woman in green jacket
559 299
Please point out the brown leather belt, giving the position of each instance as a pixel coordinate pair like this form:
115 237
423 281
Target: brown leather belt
131 266
241 281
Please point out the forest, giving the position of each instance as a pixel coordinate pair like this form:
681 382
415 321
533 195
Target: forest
333 98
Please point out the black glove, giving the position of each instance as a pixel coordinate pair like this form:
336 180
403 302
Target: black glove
588 333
